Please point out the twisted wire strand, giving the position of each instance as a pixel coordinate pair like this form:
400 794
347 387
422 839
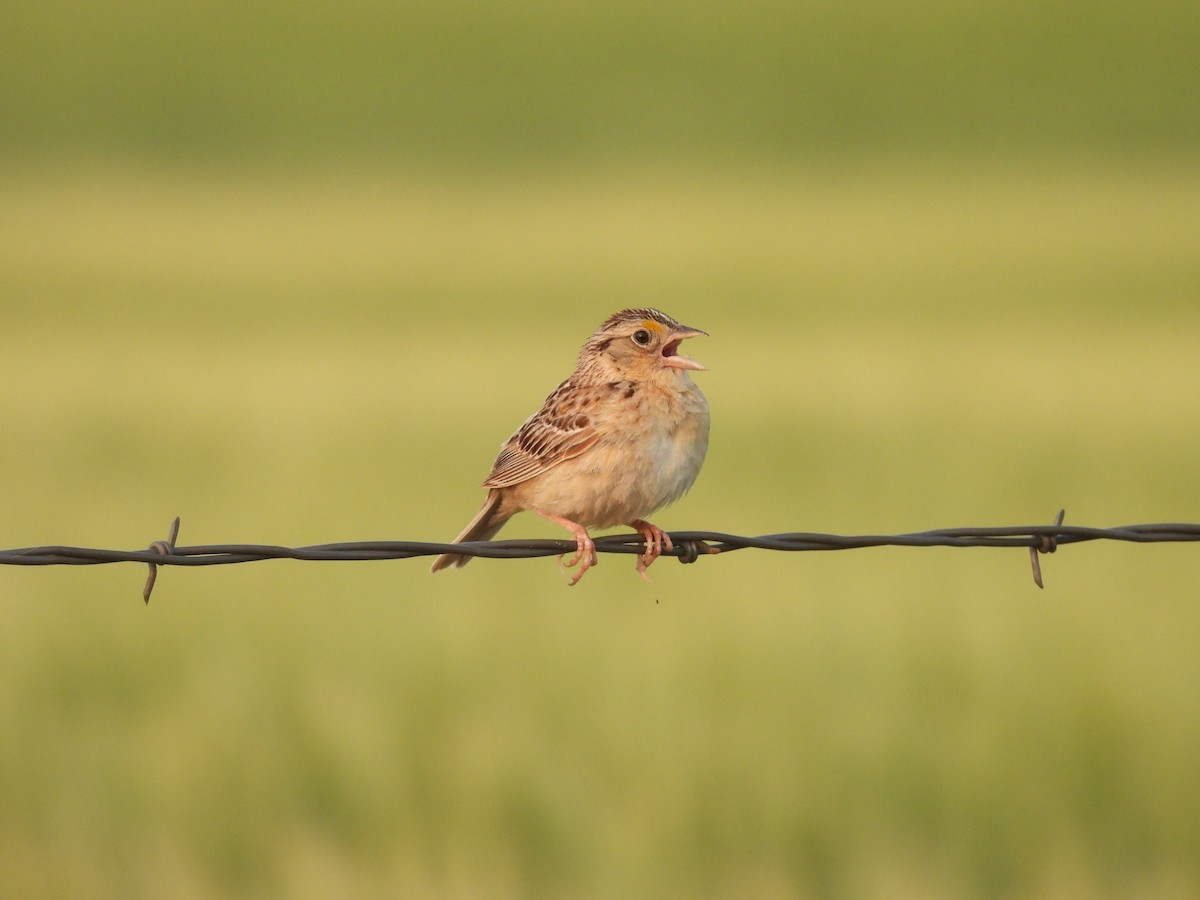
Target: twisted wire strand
715 542
688 546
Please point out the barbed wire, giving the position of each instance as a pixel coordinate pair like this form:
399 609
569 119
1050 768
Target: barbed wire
688 546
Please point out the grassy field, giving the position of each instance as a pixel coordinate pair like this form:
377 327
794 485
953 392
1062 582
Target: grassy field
338 359
293 272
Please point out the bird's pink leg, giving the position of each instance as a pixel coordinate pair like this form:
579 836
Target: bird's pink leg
656 540
585 550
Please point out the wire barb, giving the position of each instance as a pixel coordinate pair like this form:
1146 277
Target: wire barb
166 548
692 550
1046 543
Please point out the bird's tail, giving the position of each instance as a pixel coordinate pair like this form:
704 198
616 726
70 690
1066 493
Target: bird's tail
482 528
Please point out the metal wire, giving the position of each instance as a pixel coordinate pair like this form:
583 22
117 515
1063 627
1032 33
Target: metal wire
688 546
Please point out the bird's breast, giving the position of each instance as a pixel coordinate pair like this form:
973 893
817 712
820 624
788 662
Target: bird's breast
651 450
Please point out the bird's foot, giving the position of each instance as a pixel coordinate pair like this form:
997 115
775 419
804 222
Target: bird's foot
585 548
656 540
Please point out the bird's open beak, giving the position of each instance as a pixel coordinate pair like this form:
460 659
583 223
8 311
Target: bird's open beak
670 349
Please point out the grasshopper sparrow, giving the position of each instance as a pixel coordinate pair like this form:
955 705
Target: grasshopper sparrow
622 437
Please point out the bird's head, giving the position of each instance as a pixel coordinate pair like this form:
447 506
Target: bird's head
639 344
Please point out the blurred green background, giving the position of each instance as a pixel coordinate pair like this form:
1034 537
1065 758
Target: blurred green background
294 271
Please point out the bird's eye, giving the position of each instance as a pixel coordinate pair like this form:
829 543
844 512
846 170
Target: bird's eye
641 337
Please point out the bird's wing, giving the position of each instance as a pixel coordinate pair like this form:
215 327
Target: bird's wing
565 426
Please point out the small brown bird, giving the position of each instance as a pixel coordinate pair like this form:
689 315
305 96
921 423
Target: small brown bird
622 437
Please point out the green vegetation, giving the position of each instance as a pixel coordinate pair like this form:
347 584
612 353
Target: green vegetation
950 261
488 83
